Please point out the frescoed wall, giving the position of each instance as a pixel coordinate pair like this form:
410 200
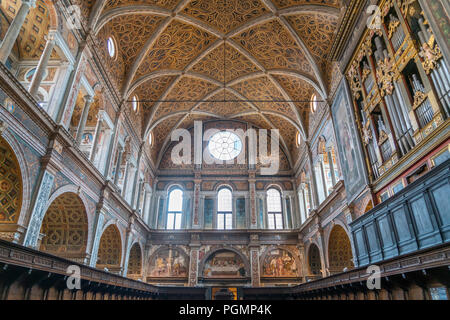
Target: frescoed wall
224 264
279 263
168 262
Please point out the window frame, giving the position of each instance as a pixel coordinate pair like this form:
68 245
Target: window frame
314 103
175 213
114 47
223 215
272 215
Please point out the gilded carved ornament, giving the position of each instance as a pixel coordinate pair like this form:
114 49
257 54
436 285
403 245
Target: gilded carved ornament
404 6
365 72
419 97
385 77
393 25
431 54
382 137
352 77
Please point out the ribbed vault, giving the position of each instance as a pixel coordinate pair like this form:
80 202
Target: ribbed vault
258 61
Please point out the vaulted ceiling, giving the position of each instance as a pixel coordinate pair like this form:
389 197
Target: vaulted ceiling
258 61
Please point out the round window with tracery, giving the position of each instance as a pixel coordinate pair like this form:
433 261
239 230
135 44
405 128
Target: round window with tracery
225 145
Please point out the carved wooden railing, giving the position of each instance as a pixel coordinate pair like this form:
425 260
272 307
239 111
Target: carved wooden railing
424 267
15 258
417 217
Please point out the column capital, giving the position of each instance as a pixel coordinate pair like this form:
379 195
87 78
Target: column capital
50 37
30 3
88 98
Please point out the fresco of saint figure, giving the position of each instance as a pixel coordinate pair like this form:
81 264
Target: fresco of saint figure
279 263
168 263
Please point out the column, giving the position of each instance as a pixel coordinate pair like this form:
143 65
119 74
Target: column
196 205
98 227
126 257
147 203
45 184
64 113
303 260
302 204
252 189
134 203
14 29
119 160
138 200
125 178
323 254
43 62
111 146
98 130
254 260
324 178
313 191
193 259
87 104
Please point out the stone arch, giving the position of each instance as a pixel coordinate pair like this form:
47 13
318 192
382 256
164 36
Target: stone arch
71 188
227 185
288 269
215 251
14 188
53 15
65 227
135 261
274 185
172 186
110 249
314 261
339 250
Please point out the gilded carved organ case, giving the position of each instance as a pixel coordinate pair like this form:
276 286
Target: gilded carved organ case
400 84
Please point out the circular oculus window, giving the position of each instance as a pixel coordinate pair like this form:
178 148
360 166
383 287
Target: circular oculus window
225 145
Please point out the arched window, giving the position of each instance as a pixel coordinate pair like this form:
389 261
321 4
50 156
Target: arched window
304 201
224 209
174 212
274 212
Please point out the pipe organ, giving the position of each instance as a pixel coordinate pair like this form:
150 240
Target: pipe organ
400 85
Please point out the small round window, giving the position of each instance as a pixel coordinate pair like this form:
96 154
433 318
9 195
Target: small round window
225 145
299 139
111 47
314 103
134 103
150 138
